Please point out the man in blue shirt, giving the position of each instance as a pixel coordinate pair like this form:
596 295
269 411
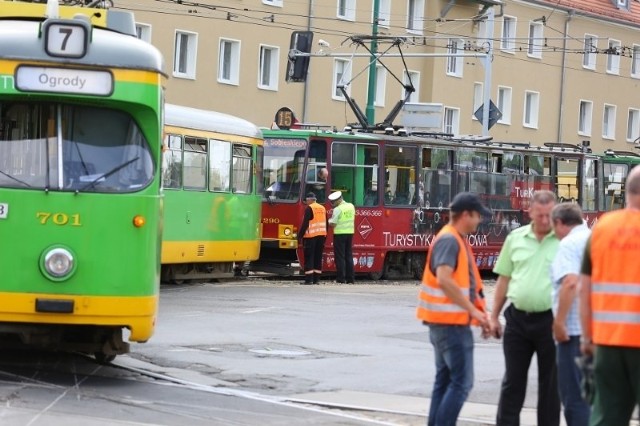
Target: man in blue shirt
573 234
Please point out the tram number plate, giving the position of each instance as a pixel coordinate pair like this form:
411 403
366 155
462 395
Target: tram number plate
4 210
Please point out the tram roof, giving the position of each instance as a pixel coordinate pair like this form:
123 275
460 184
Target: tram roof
469 142
212 121
20 27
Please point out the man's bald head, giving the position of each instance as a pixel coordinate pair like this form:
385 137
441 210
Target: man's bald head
632 188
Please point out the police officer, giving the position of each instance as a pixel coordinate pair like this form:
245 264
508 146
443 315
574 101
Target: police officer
313 233
342 221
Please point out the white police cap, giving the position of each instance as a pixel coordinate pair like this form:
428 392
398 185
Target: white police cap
335 196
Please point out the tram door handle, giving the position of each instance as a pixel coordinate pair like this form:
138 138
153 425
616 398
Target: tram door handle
188 217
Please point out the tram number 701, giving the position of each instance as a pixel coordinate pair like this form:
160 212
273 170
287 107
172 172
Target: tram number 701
58 218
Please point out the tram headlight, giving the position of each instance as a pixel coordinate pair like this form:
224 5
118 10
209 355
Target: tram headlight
58 262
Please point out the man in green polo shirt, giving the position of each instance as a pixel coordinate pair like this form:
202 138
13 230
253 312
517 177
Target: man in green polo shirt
523 278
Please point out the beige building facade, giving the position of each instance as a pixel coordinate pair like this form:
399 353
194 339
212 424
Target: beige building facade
558 71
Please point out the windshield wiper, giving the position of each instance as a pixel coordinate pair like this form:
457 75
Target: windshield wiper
106 175
15 179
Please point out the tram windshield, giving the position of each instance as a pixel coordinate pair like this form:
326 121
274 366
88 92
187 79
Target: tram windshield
72 148
283 168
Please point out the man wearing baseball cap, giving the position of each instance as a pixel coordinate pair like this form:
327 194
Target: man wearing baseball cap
343 223
450 301
312 234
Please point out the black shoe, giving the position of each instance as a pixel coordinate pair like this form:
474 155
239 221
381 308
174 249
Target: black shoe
306 283
350 282
339 282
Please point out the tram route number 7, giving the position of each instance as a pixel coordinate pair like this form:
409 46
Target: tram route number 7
58 218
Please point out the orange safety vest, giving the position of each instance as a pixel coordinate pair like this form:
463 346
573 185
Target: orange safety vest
317 225
434 306
615 279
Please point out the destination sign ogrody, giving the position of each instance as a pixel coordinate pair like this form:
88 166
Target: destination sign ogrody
58 80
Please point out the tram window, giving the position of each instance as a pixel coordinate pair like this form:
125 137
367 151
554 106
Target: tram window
355 180
283 161
614 179
219 166
537 165
195 163
436 174
317 173
400 174
172 162
567 179
259 170
588 195
242 169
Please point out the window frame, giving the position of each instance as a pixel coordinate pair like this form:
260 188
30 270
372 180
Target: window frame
234 68
609 112
585 125
589 60
613 61
534 113
454 64
508 40
633 125
346 70
536 33
274 67
191 56
506 112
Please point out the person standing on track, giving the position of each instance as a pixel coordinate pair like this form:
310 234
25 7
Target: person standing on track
452 299
523 277
313 233
610 309
573 234
343 223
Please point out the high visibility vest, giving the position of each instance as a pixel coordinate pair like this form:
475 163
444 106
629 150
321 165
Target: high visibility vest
317 225
346 218
615 279
434 306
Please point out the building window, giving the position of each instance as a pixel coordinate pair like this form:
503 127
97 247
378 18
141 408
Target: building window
609 122
454 63
268 77
633 125
384 13
623 4
635 61
478 98
414 76
381 85
341 77
584 120
613 57
504 104
229 62
590 47
531 107
451 121
535 40
278 3
508 42
415 15
481 35
184 59
347 10
143 32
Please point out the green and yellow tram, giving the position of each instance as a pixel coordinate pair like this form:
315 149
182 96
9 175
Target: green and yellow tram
80 152
212 177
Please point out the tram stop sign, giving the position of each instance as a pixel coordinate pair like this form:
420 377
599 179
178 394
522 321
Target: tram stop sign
494 114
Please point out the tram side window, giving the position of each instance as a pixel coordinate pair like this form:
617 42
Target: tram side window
537 169
195 163
242 169
505 168
567 179
588 195
259 170
219 165
436 175
471 171
400 175
354 169
172 162
317 173
614 179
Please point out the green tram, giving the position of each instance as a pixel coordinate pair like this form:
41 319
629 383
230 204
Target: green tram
212 182
80 151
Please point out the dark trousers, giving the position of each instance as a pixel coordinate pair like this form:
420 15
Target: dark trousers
313 248
524 335
344 257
